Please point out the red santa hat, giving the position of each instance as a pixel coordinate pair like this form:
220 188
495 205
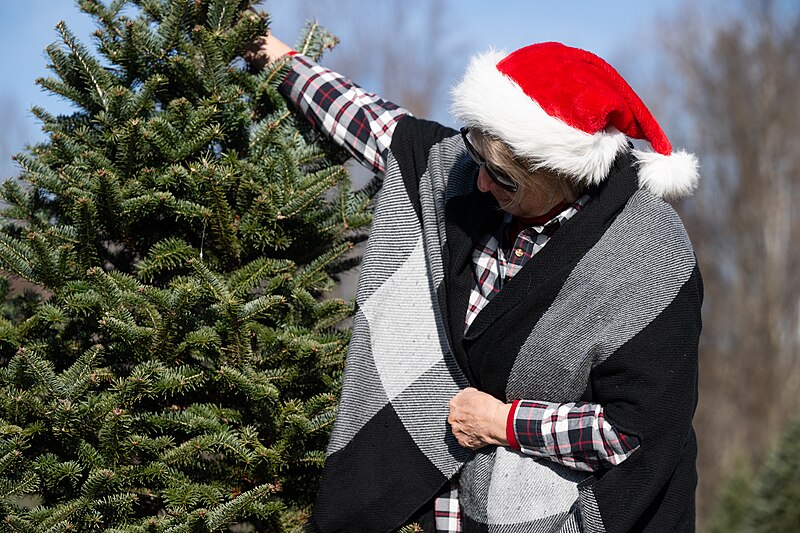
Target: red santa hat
567 110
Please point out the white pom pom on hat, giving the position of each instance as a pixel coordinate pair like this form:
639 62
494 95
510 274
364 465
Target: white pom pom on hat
568 110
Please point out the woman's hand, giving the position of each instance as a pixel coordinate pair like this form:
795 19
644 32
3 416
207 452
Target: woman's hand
478 419
265 49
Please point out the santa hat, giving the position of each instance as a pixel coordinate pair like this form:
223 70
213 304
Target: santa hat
568 110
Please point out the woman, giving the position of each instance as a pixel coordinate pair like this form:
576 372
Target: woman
524 353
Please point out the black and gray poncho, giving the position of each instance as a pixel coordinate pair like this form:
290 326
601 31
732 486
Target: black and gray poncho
607 312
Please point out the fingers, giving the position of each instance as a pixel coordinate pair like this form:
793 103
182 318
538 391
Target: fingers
462 397
470 442
474 420
467 441
459 421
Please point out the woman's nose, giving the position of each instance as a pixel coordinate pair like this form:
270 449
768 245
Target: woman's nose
484 181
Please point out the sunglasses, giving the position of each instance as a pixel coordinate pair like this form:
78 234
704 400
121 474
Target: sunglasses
497 175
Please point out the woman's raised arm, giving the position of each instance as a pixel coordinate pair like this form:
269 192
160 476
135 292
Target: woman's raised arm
359 121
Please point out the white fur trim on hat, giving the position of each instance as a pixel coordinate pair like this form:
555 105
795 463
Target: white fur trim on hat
487 99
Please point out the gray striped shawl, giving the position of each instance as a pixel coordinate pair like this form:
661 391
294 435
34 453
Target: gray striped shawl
400 359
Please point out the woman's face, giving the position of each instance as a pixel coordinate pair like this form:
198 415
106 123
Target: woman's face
531 205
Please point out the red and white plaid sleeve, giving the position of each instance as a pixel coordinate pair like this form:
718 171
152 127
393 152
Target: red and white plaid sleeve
575 434
359 121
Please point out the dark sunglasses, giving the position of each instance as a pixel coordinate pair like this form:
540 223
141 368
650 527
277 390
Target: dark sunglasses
497 175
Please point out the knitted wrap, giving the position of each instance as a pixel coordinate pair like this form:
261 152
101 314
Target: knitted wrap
607 312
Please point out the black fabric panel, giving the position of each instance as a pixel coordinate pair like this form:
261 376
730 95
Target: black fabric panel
648 388
677 494
466 218
491 356
377 482
412 141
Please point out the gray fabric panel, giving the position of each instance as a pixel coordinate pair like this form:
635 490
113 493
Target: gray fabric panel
567 522
362 397
394 235
423 407
399 341
590 512
560 523
406 331
524 489
462 178
447 164
573 523
607 310
511 492
474 481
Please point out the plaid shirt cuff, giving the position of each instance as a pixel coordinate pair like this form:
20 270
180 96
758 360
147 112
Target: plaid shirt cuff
511 434
574 434
359 121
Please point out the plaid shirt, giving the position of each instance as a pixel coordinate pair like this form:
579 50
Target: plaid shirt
573 434
359 121
494 262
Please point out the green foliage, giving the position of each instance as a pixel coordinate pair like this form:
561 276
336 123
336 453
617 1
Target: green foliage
735 501
177 369
766 501
777 490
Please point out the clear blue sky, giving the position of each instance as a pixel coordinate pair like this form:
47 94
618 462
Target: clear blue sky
607 28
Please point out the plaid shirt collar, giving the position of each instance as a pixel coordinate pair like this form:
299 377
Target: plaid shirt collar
495 260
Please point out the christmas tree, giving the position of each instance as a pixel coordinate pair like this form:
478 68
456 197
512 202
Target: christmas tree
180 370
734 505
764 501
777 490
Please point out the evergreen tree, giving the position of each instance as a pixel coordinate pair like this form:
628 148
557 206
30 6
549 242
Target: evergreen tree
767 501
734 503
181 371
776 504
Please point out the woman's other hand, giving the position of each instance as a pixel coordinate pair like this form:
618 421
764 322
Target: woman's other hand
265 49
478 419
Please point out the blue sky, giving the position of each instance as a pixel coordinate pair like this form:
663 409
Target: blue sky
610 29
